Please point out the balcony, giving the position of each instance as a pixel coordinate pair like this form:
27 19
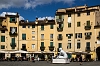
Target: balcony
87 37
59 29
13 45
24 49
51 48
60 38
42 48
87 49
98 37
13 34
88 27
96 26
59 20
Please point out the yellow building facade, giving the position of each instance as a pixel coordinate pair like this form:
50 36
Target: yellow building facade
75 29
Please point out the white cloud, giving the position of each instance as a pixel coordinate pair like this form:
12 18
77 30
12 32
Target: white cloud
11 13
29 3
49 18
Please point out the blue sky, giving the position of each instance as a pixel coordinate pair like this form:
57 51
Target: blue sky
30 9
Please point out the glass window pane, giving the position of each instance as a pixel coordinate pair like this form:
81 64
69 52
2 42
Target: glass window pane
2 38
42 44
51 43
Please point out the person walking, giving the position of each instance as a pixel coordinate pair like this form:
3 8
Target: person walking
80 60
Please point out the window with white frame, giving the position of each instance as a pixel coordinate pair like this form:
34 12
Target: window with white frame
33 32
33 37
42 36
33 46
69 46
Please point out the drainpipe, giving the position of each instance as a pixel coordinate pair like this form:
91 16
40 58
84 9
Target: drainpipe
74 32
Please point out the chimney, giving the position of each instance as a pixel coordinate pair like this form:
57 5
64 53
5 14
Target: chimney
36 21
27 21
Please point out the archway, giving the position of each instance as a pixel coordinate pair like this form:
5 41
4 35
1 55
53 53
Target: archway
98 52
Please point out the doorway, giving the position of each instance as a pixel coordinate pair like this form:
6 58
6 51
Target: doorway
98 53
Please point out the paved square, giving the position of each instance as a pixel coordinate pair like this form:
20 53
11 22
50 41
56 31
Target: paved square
44 63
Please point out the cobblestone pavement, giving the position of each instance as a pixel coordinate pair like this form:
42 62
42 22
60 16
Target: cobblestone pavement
44 63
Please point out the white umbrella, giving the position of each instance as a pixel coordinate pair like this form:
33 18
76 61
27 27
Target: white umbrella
3 51
19 51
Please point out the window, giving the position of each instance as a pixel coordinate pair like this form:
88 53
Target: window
12 19
13 30
78 45
60 25
1 20
33 26
78 14
69 24
24 26
78 35
87 45
33 37
69 46
13 40
88 12
33 32
42 36
28 26
23 46
88 33
42 44
69 15
2 46
23 36
69 36
42 27
2 31
59 35
88 23
59 45
51 26
51 44
78 24
51 35
2 38
33 46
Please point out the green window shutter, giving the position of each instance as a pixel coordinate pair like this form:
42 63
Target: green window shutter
69 24
88 44
2 46
2 38
51 26
42 44
33 26
42 27
78 24
88 23
78 45
23 36
60 45
13 40
12 19
51 44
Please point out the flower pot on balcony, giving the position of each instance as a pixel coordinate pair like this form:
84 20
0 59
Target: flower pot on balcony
51 48
42 48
